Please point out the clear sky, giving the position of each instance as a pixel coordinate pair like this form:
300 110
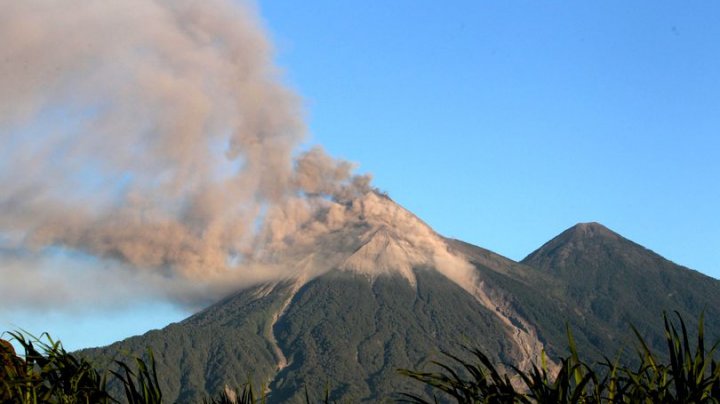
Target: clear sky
502 123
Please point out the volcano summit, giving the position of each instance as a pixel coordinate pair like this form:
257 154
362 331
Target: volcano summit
376 289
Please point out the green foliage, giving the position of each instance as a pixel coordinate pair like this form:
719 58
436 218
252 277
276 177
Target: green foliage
691 375
48 374
484 382
140 387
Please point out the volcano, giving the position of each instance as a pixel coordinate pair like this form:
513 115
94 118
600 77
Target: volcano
376 289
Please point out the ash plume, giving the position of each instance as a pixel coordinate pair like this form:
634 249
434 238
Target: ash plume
154 134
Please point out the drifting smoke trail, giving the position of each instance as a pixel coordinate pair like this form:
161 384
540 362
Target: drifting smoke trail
151 133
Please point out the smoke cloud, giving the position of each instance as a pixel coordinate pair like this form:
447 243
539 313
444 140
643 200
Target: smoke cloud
370 235
154 135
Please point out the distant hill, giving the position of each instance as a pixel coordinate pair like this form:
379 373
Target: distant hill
612 282
394 294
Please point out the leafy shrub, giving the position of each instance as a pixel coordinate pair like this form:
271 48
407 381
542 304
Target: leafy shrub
46 373
691 376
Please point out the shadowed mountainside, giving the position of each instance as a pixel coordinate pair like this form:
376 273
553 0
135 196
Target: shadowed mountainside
349 330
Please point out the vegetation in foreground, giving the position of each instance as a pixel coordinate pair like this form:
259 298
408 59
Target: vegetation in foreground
46 373
692 375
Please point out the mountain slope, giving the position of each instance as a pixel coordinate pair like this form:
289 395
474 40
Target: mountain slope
377 289
225 344
613 282
354 334
339 330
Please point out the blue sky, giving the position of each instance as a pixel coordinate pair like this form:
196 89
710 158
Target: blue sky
501 123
